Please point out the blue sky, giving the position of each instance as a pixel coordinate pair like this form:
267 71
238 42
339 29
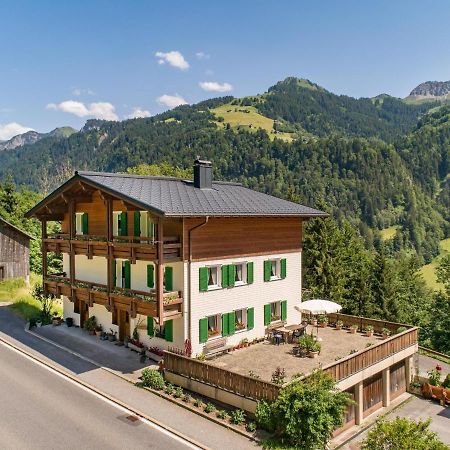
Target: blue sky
63 62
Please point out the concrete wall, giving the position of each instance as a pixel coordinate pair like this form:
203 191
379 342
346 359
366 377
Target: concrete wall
255 295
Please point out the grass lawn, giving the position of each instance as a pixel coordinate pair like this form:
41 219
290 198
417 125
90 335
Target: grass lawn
429 270
389 232
236 117
24 304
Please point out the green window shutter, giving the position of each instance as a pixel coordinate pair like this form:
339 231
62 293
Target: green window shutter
150 326
203 278
203 329
168 330
127 268
283 309
150 276
231 323
267 268
231 274
225 327
123 224
85 223
168 278
137 223
224 269
249 272
114 274
267 314
283 268
250 318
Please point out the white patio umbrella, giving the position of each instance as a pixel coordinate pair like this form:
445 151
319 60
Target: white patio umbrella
318 306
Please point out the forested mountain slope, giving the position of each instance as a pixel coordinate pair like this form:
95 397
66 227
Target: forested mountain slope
373 183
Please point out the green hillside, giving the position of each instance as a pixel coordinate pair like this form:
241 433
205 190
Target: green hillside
428 271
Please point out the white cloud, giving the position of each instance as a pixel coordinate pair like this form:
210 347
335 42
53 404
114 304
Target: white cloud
171 100
138 112
9 130
174 58
202 55
99 110
215 87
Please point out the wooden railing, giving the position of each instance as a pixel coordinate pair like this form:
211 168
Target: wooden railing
367 357
204 372
363 322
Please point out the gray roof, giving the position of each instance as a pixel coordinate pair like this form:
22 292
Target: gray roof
10 225
177 197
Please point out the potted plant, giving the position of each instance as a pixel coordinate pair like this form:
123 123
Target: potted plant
322 321
339 324
385 332
313 321
111 335
155 353
98 330
90 324
244 342
369 331
353 329
56 320
314 349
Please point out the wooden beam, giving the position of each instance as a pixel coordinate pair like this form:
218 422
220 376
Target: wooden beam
44 253
160 274
71 235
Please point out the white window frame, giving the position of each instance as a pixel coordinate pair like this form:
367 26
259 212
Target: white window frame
277 275
120 273
218 285
277 309
79 223
243 274
244 319
218 319
147 226
116 220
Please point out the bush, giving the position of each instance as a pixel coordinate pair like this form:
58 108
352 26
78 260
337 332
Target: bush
222 414
306 412
434 377
237 416
251 427
209 408
153 379
187 398
198 402
278 376
401 329
402 434
170 389
178 393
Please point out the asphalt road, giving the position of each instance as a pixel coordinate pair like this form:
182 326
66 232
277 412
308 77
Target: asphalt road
43 410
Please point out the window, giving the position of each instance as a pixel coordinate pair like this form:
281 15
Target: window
240 319
123 274
147 228
213 277
81 223
120 223
274 269
160 330
240 274
275 311
213 326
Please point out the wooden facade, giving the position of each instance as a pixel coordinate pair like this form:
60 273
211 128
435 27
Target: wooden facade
14 252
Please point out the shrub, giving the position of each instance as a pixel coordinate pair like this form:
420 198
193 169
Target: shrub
401 329
322 319
251 427
385 332
237 416
187 398
434 377
306 412
198 402
209 408
278 376
153 379
446 382
402 434
264 417
200 357
222 414
315 346
339 323
170 388
178 393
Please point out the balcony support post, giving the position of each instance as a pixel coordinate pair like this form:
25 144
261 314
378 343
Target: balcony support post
160 274
44 252
71 237
110 260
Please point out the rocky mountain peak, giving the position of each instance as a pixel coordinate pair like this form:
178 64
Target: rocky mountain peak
434 89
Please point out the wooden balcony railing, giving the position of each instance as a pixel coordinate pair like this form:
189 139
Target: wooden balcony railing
124 247
134 301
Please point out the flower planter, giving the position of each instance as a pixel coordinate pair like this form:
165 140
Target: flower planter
338 327
135 347
353 330
98 332
69 321
369 333
153 356
323 324
313 354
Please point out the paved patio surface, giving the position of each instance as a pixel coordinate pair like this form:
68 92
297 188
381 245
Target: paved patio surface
104 353
265 357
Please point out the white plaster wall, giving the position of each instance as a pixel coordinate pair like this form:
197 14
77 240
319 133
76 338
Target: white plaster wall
255 295
91 270
68 311
139 275
103 317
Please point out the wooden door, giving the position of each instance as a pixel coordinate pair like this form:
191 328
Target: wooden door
372 394
398 379
124 325
84 313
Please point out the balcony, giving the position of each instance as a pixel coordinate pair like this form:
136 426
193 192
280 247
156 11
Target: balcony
124 247
133 301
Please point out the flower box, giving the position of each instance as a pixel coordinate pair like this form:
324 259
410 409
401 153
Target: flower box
137 347
154 356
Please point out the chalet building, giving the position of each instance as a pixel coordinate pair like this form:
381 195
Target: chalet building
14 252
186 262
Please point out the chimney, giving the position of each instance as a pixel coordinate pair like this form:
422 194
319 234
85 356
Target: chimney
202 174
